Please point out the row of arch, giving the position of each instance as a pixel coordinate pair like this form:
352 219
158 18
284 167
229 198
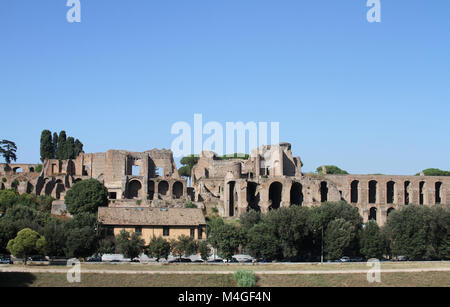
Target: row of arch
391 187
135 186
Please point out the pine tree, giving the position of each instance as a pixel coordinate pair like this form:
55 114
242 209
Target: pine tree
47 151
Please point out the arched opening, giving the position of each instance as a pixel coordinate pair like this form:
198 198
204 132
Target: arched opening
231 198
30 188
390 188
438 186
275 195
59 189
49 188
389 211
323 191
296 194
17 170
373 214
177 189
421 195
407 183
31 169
372 192
134 187
151 189
354 191
252 197
163 187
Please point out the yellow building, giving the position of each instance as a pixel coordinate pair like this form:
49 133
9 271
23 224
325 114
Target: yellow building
169 223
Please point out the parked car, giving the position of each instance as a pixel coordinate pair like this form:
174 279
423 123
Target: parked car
357 259
37 258
180 260
4 259
402 258
94 259
217 260
345 259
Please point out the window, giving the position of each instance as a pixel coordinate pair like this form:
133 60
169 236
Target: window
200 233
165 231
193 233
112 195
110 231
138 229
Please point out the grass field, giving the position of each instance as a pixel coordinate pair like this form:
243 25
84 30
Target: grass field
254 267
271 275
425 279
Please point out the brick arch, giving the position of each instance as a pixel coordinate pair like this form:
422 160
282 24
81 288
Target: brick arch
275 194
133 188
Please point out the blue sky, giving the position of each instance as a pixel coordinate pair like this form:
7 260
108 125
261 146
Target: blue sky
368 97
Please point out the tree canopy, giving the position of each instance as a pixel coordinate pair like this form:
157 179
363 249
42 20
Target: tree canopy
332 170
8 150
86 196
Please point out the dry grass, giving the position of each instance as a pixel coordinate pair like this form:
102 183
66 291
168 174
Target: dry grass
114 280
255 267
424 279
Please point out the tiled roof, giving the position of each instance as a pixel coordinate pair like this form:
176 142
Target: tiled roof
150 216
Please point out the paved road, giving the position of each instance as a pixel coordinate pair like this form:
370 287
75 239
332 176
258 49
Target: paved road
304 272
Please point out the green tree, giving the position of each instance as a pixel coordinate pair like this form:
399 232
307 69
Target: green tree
183 246
106 246
332 170
70 148
338 238
55 144
54 232
26 243
434 172
250 219
86 196
78 148
262 243
372 241
419 232
131 246
47 147
61 148
8 150
225 237
204 250
188 163
7 199
82 233
159 248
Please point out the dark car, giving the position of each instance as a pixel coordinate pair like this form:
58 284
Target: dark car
180 260
37 258
94 259
215 261
5 259
198 261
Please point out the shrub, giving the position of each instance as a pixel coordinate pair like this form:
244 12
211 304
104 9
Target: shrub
245 278
190 205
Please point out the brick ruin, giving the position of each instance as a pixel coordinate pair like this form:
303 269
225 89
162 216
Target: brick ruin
269 179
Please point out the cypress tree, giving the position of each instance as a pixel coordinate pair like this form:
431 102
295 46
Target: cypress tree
61 148
46 145
70 148
55 144
78 148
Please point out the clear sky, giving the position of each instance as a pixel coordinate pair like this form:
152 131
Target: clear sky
368 97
